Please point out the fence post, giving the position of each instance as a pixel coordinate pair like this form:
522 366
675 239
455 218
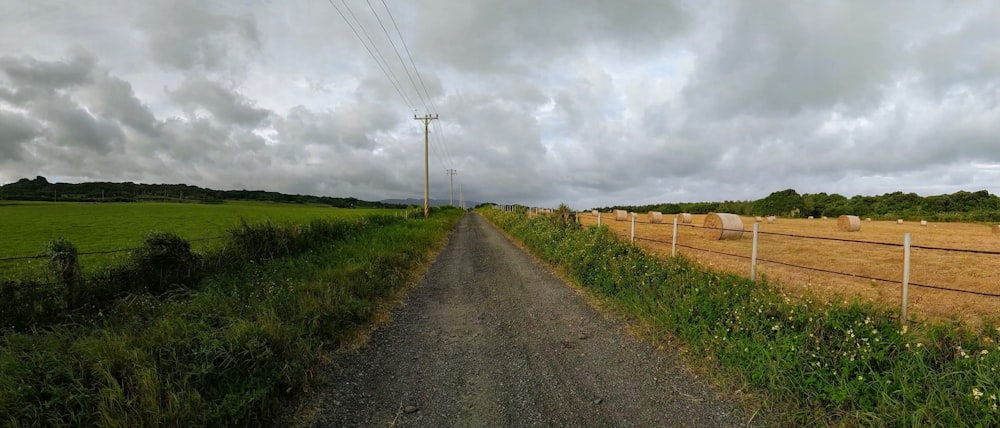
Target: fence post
673 243
753 254
598 219
633 228
906 276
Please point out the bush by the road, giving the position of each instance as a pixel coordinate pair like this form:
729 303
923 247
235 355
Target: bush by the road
818 362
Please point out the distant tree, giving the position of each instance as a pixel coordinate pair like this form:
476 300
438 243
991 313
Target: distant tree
779 203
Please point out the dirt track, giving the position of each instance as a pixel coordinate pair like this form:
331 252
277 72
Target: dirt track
492 338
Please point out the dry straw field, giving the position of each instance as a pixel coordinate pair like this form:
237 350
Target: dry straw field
973 272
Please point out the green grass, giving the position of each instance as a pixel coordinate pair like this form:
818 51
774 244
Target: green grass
226 353
27 227
815 362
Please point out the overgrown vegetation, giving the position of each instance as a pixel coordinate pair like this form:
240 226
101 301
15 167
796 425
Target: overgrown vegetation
818 362
958 206
175 338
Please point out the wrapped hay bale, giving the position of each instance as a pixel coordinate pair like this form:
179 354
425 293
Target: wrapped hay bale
594 213
723 226
809 218
868 219
758 219
770 219
849 223
621 215
923 222
655 217
900 221
824 217
684 218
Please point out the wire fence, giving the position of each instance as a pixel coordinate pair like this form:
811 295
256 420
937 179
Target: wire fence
632 218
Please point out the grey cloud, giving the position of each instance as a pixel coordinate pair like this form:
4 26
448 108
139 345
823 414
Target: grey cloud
350 125
785 57
15 130
187 34
114 98
588 102
964 55
30 73
225 104
71 125
489 37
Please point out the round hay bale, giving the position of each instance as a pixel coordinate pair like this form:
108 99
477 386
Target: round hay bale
824 218
758 219
996 228
923 222
900 221
849 223
621 215
770 219
868 219
655 217
684 218
723 226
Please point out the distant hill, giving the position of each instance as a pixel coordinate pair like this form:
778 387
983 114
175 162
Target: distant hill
41 189
432 202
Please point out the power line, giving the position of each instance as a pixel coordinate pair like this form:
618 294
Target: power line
438 141
408 54
372 54
393 44
420 79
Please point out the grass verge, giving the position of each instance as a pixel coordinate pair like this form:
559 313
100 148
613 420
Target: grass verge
816 362
224 353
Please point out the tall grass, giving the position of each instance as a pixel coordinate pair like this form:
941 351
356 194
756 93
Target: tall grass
818 362
226 351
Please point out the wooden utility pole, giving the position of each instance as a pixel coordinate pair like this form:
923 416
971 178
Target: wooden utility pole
427 122
451 186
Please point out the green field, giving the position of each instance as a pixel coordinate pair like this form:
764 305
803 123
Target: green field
229 339
26 227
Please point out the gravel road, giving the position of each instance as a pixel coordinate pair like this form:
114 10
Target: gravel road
492 338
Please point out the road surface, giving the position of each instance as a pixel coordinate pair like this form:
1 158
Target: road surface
492 338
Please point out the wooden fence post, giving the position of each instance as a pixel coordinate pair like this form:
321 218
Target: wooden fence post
633 228
753 254
906 276
673 243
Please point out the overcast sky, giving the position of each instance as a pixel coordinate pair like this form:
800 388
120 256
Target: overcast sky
587 102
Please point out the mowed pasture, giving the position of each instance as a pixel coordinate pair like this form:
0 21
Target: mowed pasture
964 271
26 227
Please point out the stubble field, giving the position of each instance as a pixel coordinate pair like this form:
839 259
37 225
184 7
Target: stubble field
937 268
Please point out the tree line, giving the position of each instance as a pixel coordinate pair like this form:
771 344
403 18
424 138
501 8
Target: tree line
40 189
959 206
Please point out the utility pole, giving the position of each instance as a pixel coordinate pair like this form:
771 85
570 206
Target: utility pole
427 122
451 186
461 197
